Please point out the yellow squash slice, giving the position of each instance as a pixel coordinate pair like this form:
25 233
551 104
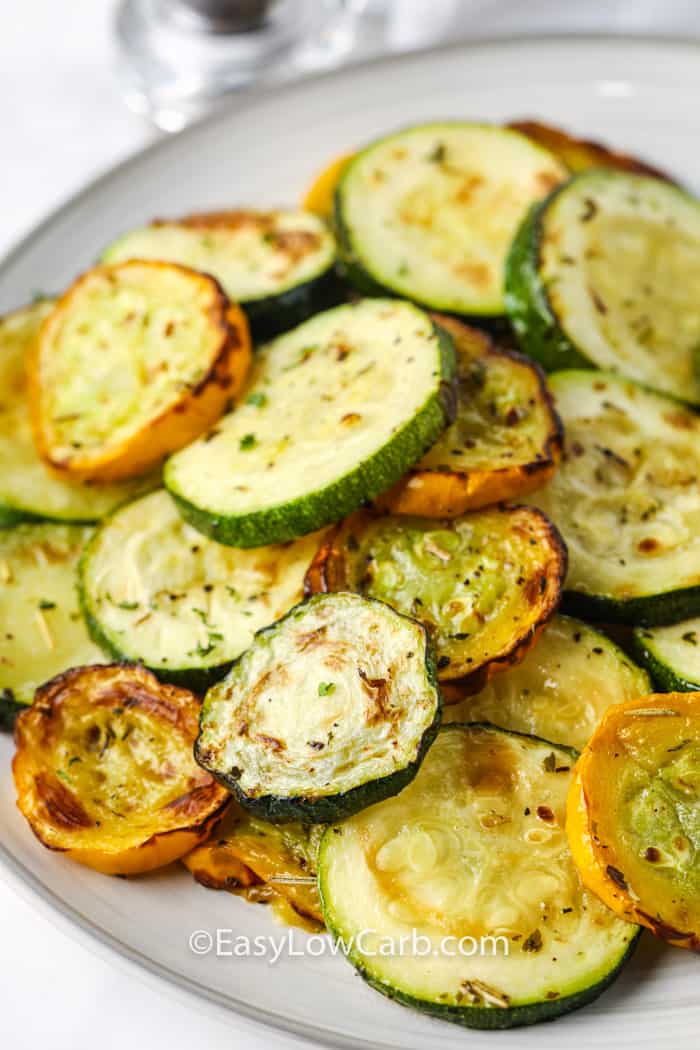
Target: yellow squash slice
633 816
582 154
135 361
264 862
319 196
104 770
28 488
505 442
483 584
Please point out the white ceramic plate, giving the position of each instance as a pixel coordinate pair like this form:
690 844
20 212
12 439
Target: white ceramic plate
637 95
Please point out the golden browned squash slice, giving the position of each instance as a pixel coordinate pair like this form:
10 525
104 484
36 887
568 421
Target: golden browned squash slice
634 812
505 442
484 584
581 154
135 361
104 770
246 854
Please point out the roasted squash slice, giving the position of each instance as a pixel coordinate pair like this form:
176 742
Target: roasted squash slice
584 287
246 854
104 770
474 848
428 213
335 413
135 361
331 709
670 654
279 265
29 490
560 690
41 630
484 584
581 154
633 814
504 443
154 591
626 500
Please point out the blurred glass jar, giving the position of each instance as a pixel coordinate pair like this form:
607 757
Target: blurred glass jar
178 58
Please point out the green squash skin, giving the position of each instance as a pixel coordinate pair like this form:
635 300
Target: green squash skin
533 320
654 610
663 675
330 808
274 314
9 709
492 1018
361 485
9 517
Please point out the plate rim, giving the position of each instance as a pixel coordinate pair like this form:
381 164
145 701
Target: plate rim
21 878
250 96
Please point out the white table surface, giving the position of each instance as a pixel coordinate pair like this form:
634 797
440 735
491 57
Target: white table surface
62 122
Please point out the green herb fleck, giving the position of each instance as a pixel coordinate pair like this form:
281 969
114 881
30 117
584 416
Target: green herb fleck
326 688
257 398
128 606
690 637
303 355
247 442
438 154
550 762
46 604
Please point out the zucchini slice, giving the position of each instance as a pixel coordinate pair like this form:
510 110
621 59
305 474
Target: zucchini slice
269 863
429 212
504 443
576 155
605 274
634 813
581 154
29 491
42 631
473 854
484 584
279 265
156 591
335 412
331 709
671 654
133 362
104 770
561 689
626 500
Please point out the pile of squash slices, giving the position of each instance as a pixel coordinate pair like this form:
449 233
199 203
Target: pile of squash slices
350 555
